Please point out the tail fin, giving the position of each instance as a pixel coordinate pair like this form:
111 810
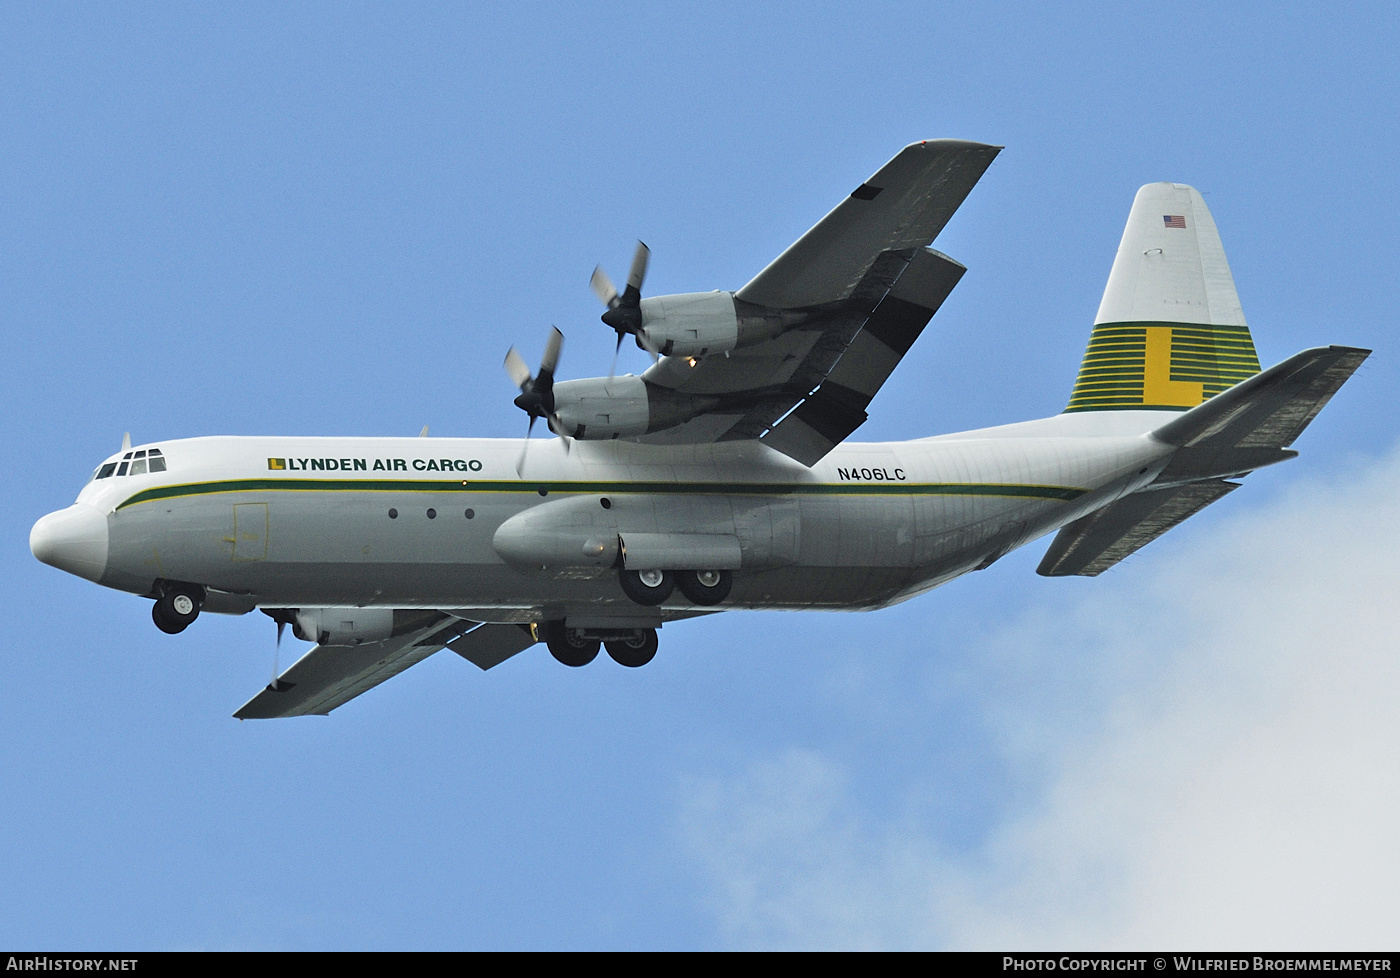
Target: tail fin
1170 332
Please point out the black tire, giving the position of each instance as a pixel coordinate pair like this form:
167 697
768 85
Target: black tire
175 611
568 647
635 651
705 587
636 587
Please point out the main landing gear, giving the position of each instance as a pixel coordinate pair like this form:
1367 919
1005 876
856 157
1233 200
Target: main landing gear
651 587
177 607
631 647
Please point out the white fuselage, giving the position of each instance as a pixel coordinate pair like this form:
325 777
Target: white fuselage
411 522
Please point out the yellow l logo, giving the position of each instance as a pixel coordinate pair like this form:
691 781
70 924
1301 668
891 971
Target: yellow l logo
1158 389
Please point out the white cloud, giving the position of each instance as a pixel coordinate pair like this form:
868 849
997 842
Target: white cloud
1235 782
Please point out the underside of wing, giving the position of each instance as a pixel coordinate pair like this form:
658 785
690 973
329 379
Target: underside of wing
331 676
902 207
853 293
829 414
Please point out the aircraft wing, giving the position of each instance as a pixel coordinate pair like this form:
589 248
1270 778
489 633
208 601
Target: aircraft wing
331 676
902 207
864 285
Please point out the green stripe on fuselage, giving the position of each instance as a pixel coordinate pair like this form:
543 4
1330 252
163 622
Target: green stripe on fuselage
891 488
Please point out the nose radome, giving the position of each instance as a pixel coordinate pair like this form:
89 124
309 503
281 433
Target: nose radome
72 539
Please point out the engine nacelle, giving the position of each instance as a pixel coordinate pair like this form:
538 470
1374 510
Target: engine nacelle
692 324
601 408
343 626
697 324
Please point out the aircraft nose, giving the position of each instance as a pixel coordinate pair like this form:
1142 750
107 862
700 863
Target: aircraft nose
72 539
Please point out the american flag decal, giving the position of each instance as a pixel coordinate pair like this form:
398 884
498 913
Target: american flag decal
1174 221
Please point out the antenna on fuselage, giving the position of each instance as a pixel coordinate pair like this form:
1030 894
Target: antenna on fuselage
126 441
424 432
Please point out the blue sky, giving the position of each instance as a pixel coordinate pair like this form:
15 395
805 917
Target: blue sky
334 219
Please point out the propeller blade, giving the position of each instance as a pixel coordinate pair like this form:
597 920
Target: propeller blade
645 343
639 267
552 348
276 654
517 369
525 449
612 371
602 286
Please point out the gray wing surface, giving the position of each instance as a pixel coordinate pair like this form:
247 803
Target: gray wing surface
903 206
331 676
827 416
864 284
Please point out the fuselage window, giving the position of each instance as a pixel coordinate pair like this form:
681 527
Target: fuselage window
138 467
157 463
121 469
141 454
107 470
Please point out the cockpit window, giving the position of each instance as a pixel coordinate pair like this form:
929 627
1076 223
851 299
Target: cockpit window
146 460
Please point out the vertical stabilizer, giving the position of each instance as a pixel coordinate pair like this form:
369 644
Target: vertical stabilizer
1170 332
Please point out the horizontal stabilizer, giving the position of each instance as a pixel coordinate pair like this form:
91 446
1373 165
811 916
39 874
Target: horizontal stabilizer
1270 409
1091 545
330 676
490 645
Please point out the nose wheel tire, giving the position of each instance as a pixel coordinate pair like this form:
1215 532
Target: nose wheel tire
647 587
705 587
175 611
635 651
568 645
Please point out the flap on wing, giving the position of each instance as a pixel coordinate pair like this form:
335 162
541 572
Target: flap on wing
1270 409
837 407
490 645
330 676
1091 545
903 206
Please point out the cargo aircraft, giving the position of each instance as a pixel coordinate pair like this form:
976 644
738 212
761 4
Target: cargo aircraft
722 477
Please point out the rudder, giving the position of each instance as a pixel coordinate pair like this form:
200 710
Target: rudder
1170 333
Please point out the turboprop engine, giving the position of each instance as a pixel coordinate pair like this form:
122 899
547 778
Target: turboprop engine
690 324
612 407
697 324
343 626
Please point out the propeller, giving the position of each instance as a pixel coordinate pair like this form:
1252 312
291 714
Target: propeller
624 309
536 397
276 653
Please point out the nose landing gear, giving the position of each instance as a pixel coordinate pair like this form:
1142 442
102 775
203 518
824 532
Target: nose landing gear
177 607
